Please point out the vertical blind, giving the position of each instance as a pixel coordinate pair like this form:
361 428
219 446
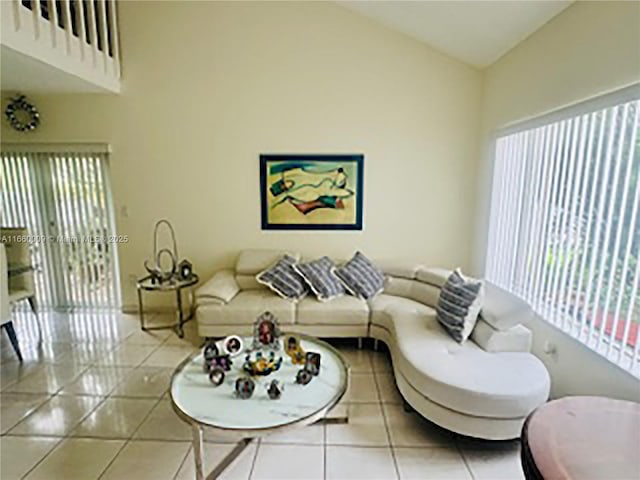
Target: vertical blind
63 198
564 231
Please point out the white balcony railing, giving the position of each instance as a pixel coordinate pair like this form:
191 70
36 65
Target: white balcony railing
79 37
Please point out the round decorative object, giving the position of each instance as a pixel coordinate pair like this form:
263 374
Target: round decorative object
275 389
22 115
303 377
245 387
216 375
233 345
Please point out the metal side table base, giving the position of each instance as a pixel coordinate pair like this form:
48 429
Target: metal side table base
223 464
228 459
177 286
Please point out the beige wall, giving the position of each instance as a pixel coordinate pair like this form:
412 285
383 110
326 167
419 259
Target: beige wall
209 86
589 49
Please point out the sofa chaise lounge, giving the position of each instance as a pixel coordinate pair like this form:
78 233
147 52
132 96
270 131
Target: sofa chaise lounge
484 388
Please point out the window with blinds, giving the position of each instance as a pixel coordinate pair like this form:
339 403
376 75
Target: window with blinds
564 231
61 195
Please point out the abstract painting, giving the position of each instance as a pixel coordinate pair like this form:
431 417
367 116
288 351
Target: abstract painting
311 192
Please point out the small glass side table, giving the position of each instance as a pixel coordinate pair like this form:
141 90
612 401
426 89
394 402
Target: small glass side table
174 285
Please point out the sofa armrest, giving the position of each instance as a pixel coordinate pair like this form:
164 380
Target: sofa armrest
222 287
515 339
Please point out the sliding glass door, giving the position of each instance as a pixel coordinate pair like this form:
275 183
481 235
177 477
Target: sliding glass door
63 197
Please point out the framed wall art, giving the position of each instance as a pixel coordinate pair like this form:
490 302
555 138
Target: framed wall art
311 192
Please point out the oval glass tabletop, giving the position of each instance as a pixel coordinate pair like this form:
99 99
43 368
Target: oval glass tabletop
197 399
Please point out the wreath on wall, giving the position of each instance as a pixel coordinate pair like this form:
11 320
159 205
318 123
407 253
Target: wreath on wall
22 115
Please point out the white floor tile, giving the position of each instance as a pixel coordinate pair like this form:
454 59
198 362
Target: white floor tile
151 338
127 355
360 463
48 379
16 406
115 418
168 356
387 387
213 455
311 435
83 353
358 360
150 382
437 463
365 428
493 460
58 416
289 462
381 362
362 389
21 454
97 380
77 458
13 372
164 424
147 461
411 430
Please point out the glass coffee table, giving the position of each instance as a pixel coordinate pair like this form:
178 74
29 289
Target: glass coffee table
203 405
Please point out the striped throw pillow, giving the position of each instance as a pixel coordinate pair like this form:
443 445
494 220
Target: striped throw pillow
360 277
320 278
459 305
283 279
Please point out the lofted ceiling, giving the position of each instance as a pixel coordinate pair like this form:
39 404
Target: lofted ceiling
21 72
475 32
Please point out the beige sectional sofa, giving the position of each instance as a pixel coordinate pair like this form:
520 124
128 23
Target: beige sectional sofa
482 388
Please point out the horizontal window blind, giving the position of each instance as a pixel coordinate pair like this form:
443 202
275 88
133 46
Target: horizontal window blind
564 231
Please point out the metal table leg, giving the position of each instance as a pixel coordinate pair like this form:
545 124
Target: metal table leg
140 309
179 327
198 455
197 451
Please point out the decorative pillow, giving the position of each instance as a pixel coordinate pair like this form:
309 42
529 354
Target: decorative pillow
283 279
459 304
320 278
361 277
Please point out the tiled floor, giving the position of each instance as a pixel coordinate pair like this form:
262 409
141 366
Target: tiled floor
90 402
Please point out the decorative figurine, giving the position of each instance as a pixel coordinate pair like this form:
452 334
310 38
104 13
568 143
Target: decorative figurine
312 363
209 353
245 387
293 349
185 270
233 345
161 273
220 361
304 377
216 375
210 350
261 365
275 389
266 332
